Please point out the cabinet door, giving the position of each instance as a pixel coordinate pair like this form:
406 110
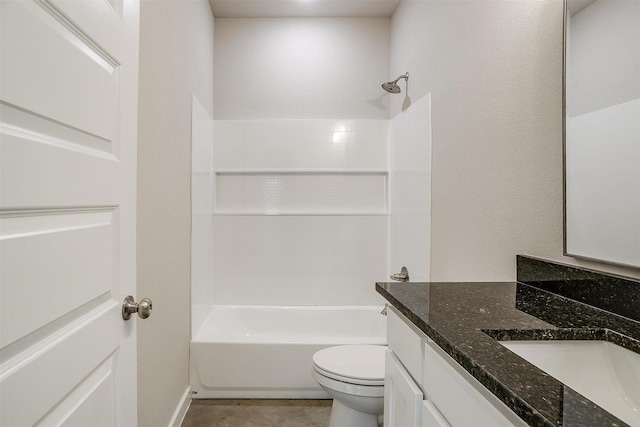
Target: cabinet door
402 397
431 417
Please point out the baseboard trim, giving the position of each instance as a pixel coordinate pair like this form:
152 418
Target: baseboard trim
181 410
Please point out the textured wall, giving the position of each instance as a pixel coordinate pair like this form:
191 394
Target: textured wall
176 60
292 68
494 70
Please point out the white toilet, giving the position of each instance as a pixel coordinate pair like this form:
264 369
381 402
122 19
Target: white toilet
353 375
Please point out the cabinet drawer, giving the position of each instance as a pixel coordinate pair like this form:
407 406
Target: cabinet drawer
459 397
407 342
431 417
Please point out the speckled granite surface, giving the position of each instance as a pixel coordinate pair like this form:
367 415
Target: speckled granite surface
466 319
615 294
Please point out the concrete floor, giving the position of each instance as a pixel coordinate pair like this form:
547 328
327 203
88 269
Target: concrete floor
258 413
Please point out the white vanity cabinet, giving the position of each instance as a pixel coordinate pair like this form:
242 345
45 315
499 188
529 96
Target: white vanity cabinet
425 387
403 395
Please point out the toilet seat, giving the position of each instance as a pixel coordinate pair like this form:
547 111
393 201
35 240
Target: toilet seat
353 364
348 380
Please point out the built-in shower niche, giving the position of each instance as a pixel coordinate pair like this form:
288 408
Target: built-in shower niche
274 192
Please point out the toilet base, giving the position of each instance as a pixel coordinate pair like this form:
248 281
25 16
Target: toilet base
343 416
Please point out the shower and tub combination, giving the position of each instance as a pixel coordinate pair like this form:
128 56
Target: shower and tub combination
299 238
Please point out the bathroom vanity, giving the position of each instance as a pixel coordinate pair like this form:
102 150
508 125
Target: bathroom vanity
426 387
449 364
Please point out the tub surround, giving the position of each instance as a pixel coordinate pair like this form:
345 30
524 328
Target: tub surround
548 302
299 211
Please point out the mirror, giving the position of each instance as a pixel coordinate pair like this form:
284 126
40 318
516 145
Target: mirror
602 130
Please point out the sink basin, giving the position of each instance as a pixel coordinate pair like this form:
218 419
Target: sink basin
603 372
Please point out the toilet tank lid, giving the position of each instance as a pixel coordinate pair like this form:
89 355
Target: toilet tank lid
365 362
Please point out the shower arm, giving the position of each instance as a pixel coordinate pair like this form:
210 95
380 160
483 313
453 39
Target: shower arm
404 76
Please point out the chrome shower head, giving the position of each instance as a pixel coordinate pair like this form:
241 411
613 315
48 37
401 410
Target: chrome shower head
392 87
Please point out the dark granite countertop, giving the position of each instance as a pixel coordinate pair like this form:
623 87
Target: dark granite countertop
466 319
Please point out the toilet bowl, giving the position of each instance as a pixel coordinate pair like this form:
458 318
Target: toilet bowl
353 375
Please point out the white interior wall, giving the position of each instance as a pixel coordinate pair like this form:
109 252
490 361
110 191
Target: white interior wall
176 61
494 71
295 68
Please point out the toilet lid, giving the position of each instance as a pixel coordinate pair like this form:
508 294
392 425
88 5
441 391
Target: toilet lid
362 363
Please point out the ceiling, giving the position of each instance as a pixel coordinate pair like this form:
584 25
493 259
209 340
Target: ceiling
302 8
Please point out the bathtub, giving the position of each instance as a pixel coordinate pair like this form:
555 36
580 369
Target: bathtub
265 352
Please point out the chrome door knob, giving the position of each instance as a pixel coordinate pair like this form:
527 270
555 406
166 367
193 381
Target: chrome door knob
130 306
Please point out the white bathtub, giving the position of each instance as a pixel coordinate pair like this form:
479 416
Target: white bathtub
265 352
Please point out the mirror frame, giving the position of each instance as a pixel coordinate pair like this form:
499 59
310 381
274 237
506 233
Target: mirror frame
565 12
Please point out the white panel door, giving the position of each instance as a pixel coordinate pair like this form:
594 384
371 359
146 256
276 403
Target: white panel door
68 125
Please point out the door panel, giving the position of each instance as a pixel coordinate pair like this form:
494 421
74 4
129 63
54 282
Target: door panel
40 378
402 397
92 403
74 252
68 128
57 71
53 170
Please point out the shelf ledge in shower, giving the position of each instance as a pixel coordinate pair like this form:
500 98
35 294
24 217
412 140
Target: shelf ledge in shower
311 192
300 171
301 214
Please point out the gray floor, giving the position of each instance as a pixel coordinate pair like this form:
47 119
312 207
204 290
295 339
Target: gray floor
258 413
